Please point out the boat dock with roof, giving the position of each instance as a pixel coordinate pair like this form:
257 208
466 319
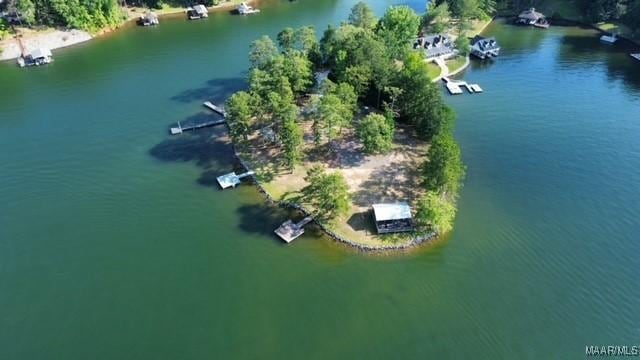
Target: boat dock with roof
290 231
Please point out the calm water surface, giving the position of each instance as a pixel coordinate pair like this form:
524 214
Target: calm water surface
116 244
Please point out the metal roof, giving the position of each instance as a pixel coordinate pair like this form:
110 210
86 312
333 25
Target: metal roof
397 211
41 53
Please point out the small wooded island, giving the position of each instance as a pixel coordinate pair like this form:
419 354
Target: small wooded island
339 125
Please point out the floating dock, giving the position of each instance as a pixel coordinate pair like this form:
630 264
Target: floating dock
455 87
182 128
635 56
290 231
219 109
232 179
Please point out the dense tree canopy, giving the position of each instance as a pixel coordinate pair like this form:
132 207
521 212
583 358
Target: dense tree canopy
376 133
444 170
362 16
328 194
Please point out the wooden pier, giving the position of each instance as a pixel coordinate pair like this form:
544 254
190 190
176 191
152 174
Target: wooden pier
232 179
290 231
182 128
219 109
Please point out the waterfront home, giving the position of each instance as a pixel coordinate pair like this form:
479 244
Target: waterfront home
436 45
533 18
245 9
148 19
484 48
609 39
37 57
392 218
197 12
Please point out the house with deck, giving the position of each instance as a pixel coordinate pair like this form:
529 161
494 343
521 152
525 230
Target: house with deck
484 48
392 218
533 18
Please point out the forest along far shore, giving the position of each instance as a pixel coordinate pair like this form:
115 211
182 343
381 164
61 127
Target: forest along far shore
53 24
352 130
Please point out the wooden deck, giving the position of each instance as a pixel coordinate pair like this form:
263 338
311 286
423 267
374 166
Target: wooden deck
232 179
290 231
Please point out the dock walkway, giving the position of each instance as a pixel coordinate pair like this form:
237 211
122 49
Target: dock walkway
290 231
219 109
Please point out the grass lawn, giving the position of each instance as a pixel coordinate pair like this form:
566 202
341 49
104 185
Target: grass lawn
456 63
433 70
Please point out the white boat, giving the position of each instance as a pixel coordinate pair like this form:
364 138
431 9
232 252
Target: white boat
635 56
244 9
609 39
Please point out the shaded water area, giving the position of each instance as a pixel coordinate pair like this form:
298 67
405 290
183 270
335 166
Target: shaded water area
116 243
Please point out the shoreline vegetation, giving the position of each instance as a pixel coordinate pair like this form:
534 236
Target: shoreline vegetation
56 37
332 127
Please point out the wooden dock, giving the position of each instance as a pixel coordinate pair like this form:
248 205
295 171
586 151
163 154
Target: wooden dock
219 109
232 179
455 87
182 128
290 231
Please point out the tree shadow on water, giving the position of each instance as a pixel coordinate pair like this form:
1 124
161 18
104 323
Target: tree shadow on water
215 90
261 219
208 148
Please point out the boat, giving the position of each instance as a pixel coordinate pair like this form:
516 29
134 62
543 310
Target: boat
609 39
37 57
635 56
244 9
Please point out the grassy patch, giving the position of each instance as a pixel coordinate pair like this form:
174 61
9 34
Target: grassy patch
433 70
456 63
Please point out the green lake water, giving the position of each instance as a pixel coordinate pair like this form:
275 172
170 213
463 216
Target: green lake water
115 242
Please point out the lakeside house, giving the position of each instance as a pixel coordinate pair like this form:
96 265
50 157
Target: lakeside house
148 19
436 45
533 18
37 57
197 12
392 218
484 48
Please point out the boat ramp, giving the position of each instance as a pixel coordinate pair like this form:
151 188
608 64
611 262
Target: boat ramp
290 231
232 179
455 87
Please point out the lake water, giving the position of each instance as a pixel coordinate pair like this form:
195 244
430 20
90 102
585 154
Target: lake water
115 243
